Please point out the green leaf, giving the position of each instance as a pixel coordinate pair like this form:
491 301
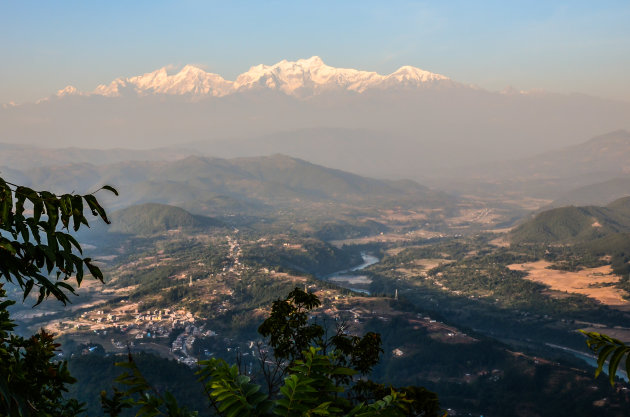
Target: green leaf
236 412
94 270
27 288
74 242
6 204
38 208
603 355
110 188
229 402
8 247
77 212
615 359
96 208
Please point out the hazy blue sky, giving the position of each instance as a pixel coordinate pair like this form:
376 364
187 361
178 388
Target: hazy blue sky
565 46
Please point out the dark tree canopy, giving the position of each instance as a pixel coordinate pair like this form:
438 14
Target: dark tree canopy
34 251
38 251
325 378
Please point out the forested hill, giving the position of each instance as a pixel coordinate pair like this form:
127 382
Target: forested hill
575 224
151 218
194 183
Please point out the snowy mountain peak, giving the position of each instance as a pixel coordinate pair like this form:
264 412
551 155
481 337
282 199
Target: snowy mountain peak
313 61
69 90
190 80
191 69
301 78
409 73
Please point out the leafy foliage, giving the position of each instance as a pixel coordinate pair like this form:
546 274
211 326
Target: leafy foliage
608 349
318 380
31 383
230 392
287 326
140 394
308 390
96 373
343 355
31 244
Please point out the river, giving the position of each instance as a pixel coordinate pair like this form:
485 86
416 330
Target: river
591 360
347 278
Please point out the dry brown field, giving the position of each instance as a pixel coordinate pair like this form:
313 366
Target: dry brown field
584 282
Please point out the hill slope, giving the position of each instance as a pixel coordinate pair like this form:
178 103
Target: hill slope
594 194
558 174
151 218
575 224
604 155
198 184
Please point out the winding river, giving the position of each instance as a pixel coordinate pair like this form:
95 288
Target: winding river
590 359
347 278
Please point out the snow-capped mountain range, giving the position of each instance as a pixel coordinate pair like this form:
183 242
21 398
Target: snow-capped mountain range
301 78
407 124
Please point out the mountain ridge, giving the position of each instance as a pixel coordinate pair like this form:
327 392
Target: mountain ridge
400 132
300 78
192 182
608 152
592 172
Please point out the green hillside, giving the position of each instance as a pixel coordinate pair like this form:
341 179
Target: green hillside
152 218
575 224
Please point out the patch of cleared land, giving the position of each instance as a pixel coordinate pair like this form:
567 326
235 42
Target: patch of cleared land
587 282
419 267
483 216
501 241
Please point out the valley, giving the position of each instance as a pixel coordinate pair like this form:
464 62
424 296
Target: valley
190 292
199 248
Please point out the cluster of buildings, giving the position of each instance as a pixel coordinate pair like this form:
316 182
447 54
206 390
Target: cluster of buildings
176 318
182 346
235 253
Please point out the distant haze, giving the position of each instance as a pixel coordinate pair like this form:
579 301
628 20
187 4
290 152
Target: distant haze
411 123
